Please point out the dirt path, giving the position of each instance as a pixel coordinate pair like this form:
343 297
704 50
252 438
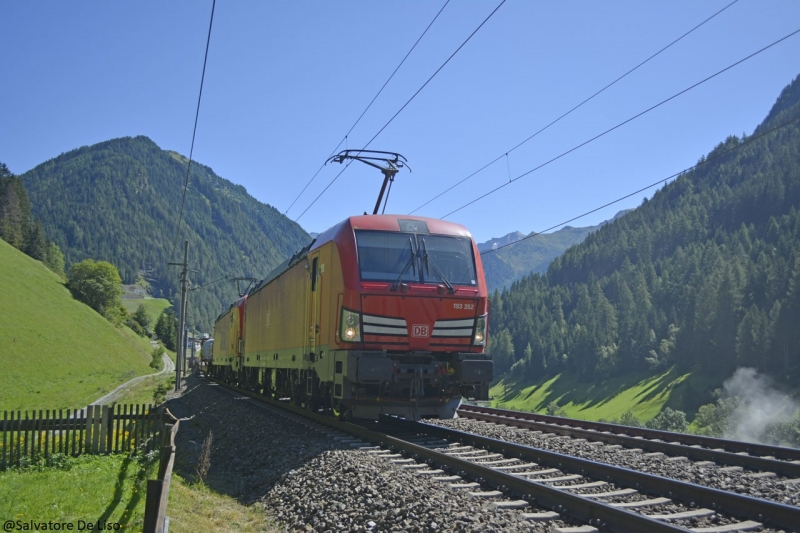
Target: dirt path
169 366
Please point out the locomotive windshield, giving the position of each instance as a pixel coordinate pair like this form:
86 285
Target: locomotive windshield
415 258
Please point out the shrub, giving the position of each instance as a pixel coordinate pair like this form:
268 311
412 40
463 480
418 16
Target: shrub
669 420
98 285
157 361
553 409
630 420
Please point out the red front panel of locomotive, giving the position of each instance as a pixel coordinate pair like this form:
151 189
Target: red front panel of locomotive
417 284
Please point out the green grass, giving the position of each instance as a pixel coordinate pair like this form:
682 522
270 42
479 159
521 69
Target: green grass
194 507
644 395
107 488
57 352
142 392
153 306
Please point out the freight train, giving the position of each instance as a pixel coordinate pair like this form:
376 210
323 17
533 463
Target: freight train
380 314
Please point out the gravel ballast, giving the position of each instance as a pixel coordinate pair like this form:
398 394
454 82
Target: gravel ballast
307 481
771 488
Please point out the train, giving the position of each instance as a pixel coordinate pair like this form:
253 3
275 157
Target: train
379 315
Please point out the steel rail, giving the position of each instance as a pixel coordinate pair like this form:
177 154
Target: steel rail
734 446
750 462
737 505
565 503
602 515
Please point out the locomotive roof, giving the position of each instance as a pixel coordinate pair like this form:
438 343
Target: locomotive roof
390 223
364 222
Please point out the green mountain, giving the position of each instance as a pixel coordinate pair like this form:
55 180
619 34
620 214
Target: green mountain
119 201
704 275
533 254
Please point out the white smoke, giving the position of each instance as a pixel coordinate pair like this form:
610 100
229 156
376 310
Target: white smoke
760 406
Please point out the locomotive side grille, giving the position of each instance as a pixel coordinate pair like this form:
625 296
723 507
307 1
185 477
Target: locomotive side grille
381 325
453 328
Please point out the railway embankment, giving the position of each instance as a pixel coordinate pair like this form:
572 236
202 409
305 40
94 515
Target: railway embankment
308 477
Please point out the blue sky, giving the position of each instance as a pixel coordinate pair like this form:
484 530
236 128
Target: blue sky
285 81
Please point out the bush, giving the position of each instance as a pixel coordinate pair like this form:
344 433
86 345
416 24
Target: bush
98 285
630 420
627 419
157 360
136 327
669 420
39 463
141 318
160 394
553 409
712 419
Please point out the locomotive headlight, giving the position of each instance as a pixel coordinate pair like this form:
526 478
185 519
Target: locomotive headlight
350 329
479 338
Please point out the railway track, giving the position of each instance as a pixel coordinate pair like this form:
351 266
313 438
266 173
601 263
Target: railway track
761 458
556 489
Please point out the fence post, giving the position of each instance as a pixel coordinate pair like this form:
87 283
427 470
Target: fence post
87 439
48 424
5 429
102 433
17 442
158 489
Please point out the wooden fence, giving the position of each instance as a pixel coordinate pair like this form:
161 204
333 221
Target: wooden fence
155 509
98 429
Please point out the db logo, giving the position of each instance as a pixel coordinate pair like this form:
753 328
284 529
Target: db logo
419 330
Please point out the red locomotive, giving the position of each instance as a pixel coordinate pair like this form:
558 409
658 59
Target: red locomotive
381 314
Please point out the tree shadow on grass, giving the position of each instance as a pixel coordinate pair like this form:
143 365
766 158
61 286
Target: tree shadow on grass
566 389
138 488
118 489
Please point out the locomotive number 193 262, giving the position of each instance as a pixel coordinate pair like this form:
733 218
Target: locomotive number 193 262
463 306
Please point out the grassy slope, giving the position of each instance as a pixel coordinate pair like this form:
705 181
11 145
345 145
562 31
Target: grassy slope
153 306
143 392
111 488
197 508
57 352
643 395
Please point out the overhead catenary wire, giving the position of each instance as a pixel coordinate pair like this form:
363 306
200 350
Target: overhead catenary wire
344 139
564 115
204 285
404 106
194 130
659 182
346 135
651 108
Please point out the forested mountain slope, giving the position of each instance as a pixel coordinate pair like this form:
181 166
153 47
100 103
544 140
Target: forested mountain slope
119 201
530 255
706 274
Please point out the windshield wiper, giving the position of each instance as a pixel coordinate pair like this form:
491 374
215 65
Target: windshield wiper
411 263
427 259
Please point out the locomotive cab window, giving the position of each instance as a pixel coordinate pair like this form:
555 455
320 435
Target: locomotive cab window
452 256
384 256
416 258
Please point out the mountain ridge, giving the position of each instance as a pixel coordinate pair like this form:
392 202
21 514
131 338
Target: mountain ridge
119 201
533 255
